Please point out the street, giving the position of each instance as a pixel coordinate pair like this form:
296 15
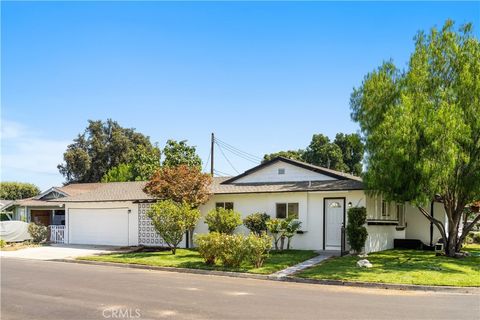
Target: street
57 290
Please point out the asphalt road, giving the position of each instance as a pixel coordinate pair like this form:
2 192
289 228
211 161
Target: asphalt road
57 290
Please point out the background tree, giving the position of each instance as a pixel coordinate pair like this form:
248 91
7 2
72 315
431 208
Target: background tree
422 127
17 190
181 184
352 151
120 173
142 165
345 153
171 220
290 154
102 146
180 153
322 152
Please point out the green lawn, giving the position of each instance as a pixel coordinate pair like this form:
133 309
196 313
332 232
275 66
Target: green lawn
189 258
405 267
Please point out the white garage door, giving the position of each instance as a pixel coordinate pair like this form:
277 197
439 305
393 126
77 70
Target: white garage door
98 226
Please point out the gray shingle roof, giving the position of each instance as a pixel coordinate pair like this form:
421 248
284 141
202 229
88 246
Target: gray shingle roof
304 186
112 191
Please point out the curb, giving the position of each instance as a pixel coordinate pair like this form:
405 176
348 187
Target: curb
292 279
386 286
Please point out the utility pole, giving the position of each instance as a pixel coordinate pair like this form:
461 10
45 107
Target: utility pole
212 153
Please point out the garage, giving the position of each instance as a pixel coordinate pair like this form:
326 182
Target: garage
105 226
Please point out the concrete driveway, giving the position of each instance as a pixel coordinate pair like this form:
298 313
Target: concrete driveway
57 252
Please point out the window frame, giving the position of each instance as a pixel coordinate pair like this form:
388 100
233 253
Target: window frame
223 204
287 204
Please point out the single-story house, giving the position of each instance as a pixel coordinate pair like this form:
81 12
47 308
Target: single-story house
115 213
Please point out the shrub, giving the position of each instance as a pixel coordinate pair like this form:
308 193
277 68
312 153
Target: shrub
233 250
223 220
291 228
356 231
256 222
38 232
172 220
209 246
258 247
2 243
274 226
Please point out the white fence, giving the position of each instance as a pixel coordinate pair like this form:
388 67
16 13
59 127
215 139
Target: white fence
57 234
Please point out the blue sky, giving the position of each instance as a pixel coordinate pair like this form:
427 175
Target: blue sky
263 76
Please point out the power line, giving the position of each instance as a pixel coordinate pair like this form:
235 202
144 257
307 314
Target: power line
231 165
222 174
208 159
225 144
238 152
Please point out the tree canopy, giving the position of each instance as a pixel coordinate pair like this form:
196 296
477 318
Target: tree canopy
180 184
345 153
422 127
17 190
180 153
102 146
142 165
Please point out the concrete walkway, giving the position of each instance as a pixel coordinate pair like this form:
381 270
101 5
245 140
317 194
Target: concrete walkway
303 265
54 252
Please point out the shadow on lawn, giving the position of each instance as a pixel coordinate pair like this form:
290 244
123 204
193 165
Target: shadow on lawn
397 261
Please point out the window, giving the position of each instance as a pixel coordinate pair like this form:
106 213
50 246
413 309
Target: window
225 205
401 214
384 208
281 171
287 210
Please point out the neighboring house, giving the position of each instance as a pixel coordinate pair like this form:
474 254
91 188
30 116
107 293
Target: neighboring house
115 213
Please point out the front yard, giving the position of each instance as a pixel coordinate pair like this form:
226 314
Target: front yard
403 267
189 258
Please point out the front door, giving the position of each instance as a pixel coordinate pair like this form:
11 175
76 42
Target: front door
334 216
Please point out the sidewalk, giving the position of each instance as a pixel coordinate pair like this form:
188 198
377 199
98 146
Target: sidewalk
301 266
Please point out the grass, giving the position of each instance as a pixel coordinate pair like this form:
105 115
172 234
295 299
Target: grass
403 267
189 258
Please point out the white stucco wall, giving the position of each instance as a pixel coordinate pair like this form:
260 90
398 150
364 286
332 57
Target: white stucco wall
418 227
292 173
132 216
310 211
380 237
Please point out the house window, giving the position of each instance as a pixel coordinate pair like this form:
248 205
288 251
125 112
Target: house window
401 214
384 208
287 210
281 171
225 205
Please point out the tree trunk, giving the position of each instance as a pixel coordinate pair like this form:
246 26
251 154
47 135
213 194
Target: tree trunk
282 242
174 250
288 243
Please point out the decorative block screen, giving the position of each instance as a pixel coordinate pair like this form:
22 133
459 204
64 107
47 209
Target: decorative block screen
147 236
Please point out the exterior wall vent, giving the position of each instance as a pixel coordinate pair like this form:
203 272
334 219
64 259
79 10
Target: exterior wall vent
281 171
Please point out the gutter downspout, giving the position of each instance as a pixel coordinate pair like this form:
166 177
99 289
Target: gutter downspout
431 223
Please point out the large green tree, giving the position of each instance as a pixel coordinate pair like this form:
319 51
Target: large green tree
180 153
345 153
17 190
352 151
102 146
143 162
422 128
290 154
322 152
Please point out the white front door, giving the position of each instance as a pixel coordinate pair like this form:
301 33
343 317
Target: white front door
334 214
